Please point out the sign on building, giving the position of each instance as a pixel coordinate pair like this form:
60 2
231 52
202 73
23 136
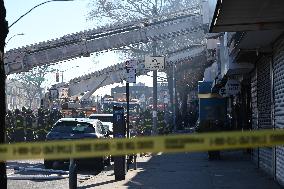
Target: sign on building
233 87
154 62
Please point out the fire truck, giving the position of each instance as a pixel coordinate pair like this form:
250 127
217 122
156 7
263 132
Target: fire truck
70 106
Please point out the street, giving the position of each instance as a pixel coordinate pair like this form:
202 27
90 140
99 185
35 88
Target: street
184 170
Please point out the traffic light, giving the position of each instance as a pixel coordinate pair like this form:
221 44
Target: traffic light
57 77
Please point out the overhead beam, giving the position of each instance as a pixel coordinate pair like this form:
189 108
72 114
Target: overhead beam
115 74
84 43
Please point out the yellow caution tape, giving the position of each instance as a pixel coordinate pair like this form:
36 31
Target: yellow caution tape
169 143
209 95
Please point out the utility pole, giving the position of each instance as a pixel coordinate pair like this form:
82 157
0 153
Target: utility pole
128 66
3 34
155 94
174 98
127 108
97 106
62 76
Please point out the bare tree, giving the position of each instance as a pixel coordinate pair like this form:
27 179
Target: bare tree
113 11
127 10
32 82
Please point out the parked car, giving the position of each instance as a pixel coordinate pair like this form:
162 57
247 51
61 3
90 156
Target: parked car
78 128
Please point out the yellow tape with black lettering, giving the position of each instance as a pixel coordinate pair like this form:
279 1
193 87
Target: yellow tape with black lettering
209 95
169 143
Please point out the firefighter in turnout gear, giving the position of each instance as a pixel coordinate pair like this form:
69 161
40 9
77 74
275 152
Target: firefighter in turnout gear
10 126
41 125
19 133
30 134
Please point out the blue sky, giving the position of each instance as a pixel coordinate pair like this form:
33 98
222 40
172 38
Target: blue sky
53 20
48 21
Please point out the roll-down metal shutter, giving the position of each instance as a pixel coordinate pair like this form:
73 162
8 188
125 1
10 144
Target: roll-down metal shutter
278 59
254 109
264 109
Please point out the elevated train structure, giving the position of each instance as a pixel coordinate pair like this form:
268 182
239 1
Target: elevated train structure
187 23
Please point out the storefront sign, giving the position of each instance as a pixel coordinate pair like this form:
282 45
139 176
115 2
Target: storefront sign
233 87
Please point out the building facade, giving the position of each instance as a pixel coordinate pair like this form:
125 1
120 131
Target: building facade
143 93
17 96
250 51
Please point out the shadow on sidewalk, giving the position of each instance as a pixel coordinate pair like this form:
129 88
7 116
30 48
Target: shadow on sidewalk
193 170
97 184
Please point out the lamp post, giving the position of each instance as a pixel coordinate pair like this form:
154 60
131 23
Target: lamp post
155 73
33 9
174 98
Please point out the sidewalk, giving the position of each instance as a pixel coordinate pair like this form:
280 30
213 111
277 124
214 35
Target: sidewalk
188 170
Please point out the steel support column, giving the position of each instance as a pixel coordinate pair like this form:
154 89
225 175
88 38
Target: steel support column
155 93
3 34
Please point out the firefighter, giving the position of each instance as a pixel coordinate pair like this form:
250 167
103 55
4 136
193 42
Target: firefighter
19 133
55 115
10 126
74 113
29 125
24 111
40 125
82 114
48 121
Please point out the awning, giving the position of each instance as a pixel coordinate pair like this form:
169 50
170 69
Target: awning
239 68
248 15
255 42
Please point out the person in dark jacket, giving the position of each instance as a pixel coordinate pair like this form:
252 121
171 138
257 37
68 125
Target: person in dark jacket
19 133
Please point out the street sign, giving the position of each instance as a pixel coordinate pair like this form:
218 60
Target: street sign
154 62
233 87
131 76
131 66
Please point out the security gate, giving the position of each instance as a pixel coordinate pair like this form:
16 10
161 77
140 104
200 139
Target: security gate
279 104
254 110
264 109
